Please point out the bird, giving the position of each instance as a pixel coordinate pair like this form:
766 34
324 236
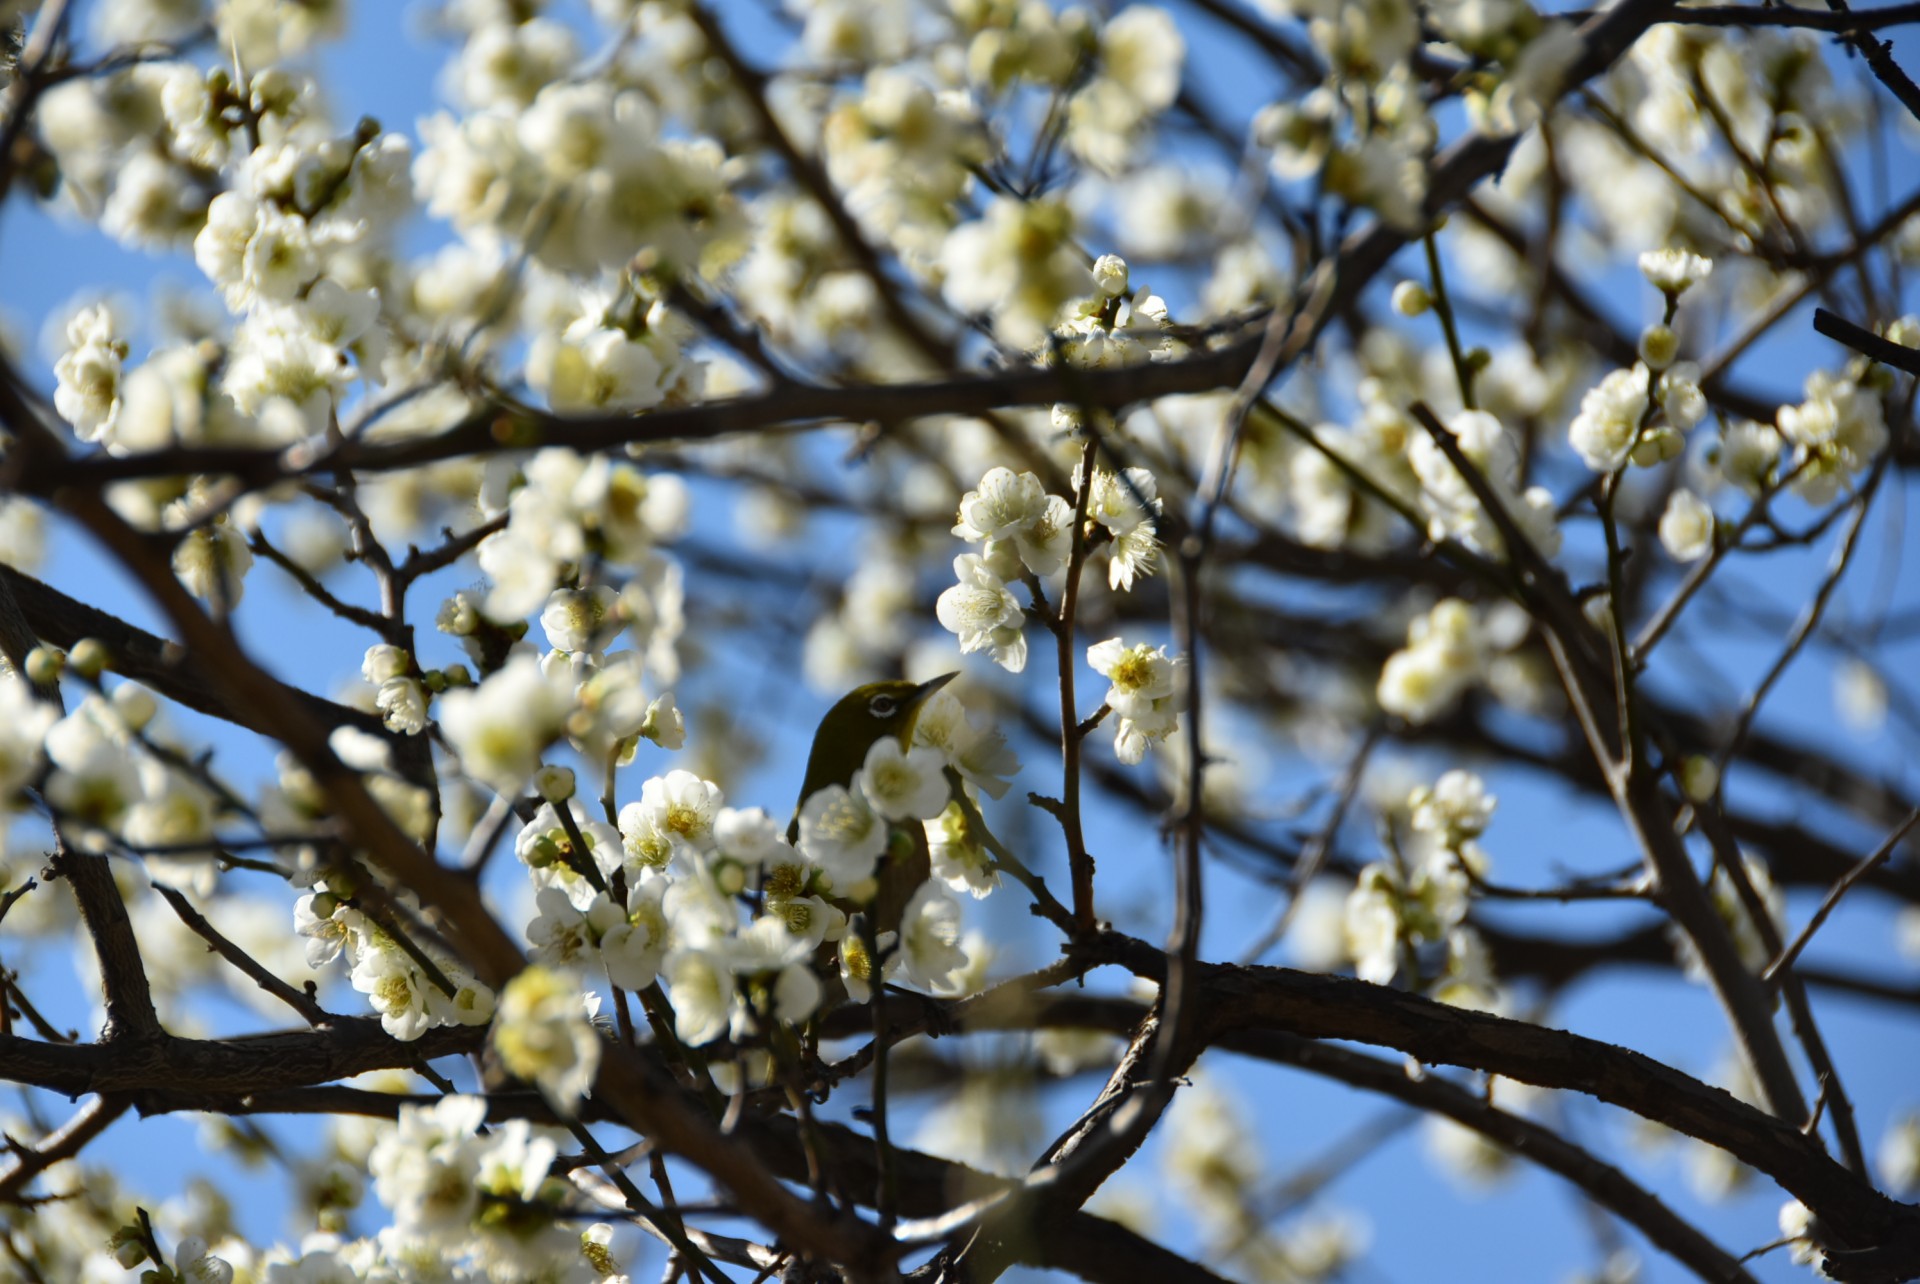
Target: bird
849 729
853 725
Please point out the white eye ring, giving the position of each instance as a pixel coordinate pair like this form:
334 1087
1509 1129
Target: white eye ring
882 706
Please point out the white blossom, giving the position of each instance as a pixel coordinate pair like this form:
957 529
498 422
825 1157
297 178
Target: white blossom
702 987
900 783
500 728
24 722
545 845
1612 414
1749 455
633 946
930 952
590 367
1686 527
1016 264
1457 807
212 561
1898 1158
984 614
1674 271
1837 431
679 806
980 754
576 619
1020 524
1443 656
87 393
541 1032
857 963
842 835
959 858
749 836
1146 695
193 1264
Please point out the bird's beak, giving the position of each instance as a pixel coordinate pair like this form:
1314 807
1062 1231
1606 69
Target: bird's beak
924 692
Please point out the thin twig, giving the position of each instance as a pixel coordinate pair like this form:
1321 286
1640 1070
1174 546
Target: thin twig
1879 855
299 1000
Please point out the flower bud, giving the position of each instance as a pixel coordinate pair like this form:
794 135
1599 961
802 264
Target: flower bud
1699 777
1410 299
555 784
89 658
127 1248
384 662
135 705
44 664
542 852
1658 346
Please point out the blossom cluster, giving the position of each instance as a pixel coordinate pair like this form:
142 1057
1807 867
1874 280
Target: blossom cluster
484 1201
1445 652
1024 531
411 988
1406 916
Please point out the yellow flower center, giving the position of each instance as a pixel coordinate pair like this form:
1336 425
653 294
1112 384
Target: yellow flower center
1134 671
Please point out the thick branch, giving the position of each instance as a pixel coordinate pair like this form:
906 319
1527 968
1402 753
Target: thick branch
1237 999
170 669
345 1047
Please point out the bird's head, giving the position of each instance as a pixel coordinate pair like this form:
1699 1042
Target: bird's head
862 716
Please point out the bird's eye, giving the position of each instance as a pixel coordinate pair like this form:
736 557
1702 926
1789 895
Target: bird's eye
882 706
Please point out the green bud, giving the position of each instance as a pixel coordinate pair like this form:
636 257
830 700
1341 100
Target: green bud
1699 777
543 852
127 1247
44 664
1658 346
1410 299
90 658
